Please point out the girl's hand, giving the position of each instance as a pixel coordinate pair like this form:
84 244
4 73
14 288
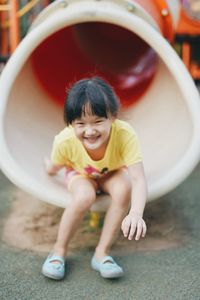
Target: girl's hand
132 224
49 168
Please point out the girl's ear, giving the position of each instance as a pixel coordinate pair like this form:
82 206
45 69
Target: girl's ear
111 117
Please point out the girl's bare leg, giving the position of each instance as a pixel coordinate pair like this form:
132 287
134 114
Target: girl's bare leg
83 196
118 185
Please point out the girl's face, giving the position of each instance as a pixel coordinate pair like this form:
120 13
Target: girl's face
92 131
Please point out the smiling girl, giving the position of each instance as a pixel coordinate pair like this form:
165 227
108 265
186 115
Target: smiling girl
100 153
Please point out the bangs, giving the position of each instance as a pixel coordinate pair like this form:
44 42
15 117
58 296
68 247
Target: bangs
96 102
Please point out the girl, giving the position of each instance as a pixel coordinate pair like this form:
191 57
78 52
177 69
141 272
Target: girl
100 153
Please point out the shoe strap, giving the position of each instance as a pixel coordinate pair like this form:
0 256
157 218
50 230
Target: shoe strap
107 259
53 257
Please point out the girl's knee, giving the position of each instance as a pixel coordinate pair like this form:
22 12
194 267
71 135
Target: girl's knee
84 199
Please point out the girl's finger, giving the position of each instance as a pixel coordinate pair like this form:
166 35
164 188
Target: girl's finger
126 227
144 229
132 231
126 231
139 230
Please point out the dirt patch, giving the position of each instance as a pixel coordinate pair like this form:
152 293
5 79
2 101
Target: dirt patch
33 224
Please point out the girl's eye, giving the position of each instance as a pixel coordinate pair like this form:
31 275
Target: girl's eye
99 121
79 123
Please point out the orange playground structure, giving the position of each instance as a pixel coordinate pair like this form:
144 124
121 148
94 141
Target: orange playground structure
16 17
188 36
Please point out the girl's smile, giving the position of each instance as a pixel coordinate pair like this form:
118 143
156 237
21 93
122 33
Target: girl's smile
91 139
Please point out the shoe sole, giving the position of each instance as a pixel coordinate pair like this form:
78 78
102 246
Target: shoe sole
112 276
108 276
51 276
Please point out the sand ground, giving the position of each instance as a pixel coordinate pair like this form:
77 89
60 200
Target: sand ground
164 265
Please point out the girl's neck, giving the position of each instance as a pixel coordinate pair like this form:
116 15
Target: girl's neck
97 154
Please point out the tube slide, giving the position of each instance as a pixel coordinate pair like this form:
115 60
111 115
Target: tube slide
126 42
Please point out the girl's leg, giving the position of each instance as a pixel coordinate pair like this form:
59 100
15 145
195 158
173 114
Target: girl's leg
83 196
118 185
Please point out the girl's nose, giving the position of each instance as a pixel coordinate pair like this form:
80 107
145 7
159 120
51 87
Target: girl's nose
89 130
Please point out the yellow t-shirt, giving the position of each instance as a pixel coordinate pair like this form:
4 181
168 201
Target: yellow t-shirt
122 150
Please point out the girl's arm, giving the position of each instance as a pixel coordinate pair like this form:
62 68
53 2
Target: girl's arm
133 223
51 168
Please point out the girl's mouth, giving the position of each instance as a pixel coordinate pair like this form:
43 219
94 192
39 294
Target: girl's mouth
91 139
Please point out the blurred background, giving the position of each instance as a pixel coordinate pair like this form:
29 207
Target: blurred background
16 17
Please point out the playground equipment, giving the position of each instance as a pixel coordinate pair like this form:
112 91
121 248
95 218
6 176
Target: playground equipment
188 36
127 43
15 19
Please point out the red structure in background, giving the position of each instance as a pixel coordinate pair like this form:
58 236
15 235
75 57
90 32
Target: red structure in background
118 55
188 36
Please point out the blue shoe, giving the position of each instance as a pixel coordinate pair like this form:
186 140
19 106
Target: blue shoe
54 270
107 267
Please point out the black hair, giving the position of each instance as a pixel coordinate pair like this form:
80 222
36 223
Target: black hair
94 91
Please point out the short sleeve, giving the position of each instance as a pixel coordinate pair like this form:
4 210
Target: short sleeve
130 149
59 154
